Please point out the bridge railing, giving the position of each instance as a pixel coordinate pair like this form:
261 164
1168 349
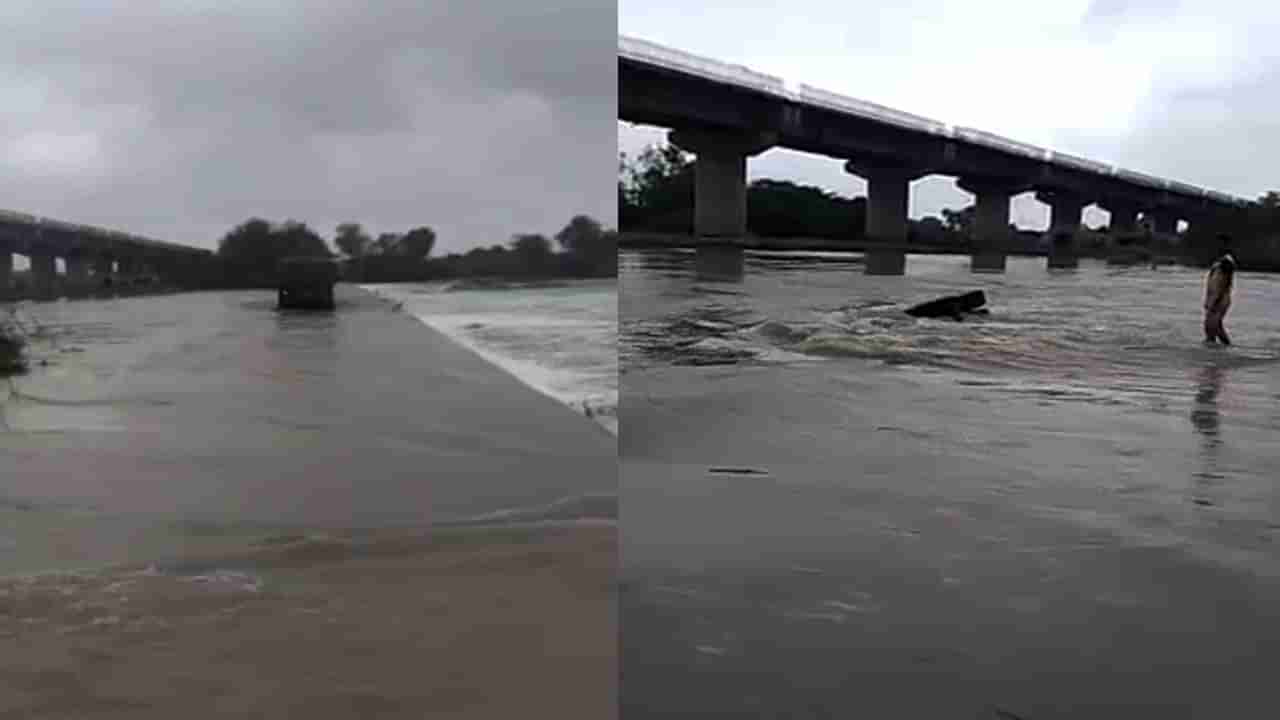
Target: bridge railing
982 137
645 51
863 108
1074 161
1143 179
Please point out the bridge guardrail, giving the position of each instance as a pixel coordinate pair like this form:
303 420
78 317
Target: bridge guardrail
1077 162
864 108
1142 179
982 137
1186 188
662 56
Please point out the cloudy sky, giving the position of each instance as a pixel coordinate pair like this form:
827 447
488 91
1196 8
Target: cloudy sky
1184 90
178 120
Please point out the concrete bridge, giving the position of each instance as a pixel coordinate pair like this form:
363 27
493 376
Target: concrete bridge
90 256
725 114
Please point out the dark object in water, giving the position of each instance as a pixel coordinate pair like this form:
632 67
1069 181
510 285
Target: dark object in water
952 306
307 282
12 359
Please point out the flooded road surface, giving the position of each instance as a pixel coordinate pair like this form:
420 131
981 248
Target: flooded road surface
208 507
1066 508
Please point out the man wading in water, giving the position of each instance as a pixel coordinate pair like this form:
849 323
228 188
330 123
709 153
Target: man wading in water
1217 296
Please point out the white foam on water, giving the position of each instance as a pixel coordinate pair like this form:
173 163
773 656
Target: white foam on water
558 341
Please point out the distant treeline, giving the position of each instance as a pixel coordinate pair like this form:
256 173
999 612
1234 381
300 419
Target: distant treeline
1254 235
656 195
249 254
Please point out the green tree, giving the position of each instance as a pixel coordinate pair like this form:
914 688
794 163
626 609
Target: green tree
589 248
580 236
251 251
960 221
531 245
248 241
658 190
386 244
780 208
928 231
295 238
352 240
417 243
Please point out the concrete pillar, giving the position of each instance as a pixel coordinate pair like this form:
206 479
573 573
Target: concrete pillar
1124 217
990 222
77 268
1166 222
888 196
1065 213
720 178
44 273
888 199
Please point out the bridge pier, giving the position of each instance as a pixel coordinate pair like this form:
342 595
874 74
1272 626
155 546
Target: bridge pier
77 268
1065 213
990 222
1165 225
720 178
888 200
1124 217
102 266
44 274
170 269
720 194
129 266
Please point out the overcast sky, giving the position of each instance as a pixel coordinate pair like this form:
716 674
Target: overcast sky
179 120
1184 90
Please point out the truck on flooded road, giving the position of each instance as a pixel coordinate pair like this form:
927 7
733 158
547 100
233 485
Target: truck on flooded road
306 283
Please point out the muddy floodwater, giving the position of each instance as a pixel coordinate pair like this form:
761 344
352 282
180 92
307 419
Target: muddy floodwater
1066 508
211 508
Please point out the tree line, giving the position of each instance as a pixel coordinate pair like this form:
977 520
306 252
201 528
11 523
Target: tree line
249 253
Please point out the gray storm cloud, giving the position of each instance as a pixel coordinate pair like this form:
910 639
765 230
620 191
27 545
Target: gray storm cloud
481 119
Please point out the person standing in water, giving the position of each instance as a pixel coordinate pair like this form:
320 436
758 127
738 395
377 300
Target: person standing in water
1217 296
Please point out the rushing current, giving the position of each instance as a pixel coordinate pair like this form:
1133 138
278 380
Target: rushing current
559 339
1099 335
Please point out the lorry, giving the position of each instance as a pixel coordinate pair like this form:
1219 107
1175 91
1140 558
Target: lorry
307 283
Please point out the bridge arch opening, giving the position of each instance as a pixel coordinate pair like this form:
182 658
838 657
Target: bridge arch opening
1028 213
1095 218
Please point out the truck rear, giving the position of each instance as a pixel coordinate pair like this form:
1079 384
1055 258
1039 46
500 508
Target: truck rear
307 283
